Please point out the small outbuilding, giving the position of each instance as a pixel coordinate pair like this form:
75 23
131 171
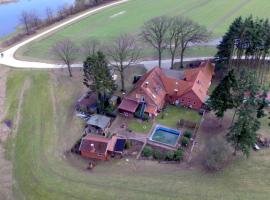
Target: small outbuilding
87 103
100 122
100 148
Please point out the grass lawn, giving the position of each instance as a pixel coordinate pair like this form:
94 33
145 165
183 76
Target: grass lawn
173 114
215 15
14 86
43 170
140 126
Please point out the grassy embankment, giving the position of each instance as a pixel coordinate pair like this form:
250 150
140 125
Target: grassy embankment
43 170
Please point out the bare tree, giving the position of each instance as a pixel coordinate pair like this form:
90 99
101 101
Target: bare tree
25 19
154 32
34 20
122 53
49 15
61 12
66 51
174 37
190 32
90 47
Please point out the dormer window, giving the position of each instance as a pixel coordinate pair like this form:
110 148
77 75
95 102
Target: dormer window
146 84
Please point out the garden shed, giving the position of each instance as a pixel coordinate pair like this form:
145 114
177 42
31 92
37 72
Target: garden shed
99 121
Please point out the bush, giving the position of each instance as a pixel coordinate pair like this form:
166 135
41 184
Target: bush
216 154
188 134
158 155
184 141
147 151
170 155
179 155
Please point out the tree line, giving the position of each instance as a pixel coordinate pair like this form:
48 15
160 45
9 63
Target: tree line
31 21
120 53
246 43
241 93
173 33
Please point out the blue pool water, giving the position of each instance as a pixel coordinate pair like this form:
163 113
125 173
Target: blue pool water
165 135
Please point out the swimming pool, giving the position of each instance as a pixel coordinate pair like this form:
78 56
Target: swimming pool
165 135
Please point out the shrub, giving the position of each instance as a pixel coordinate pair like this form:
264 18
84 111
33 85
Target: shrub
158 155
184 141
147 151
188 134
179 155
170 155
216 154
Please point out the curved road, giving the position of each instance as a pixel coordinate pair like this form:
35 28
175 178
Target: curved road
10 60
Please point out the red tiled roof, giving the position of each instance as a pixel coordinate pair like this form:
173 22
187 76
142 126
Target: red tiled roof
128 105
151 109
151 87
155 85
92 143
112 143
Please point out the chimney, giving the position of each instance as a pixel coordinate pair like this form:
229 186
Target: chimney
92 146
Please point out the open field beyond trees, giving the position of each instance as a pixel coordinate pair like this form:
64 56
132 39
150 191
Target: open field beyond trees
130 16
44 170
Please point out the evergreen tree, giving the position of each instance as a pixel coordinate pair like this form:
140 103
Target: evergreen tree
242 134
226 46
98 78
248 41
262 103
221 98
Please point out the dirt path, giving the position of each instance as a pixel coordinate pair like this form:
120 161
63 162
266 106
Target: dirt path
5 165
6 178
26 85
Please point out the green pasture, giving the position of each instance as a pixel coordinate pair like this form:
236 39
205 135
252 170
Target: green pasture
44 170
130 16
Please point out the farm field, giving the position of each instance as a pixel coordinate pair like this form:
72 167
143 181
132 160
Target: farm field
44 170
130 16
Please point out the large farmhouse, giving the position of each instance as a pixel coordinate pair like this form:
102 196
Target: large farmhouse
157 87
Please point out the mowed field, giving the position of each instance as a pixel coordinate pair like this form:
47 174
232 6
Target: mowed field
44 170
130 16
